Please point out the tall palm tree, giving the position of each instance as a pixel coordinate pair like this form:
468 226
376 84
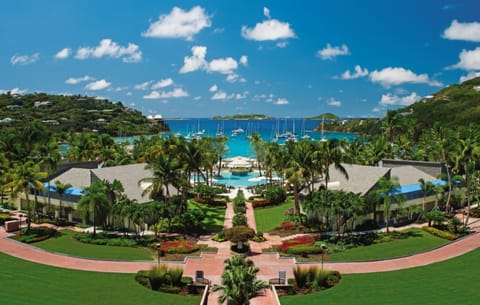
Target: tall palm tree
466 160
61 189
239 282
389 191
331 153
50 157
94 203
114 192
26 176
427 189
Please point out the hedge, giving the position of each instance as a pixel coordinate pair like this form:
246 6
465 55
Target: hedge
440 233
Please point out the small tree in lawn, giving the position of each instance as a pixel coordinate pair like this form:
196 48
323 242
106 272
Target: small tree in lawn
239 235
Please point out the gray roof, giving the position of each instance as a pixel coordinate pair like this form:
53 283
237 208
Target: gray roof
77 177
128 175
361 179
410 175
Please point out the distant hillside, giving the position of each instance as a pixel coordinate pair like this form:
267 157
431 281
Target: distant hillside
451 106
74 114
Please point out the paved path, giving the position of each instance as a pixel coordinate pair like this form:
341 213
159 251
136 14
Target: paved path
269 263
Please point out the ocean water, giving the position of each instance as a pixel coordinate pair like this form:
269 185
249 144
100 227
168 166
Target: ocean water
238 142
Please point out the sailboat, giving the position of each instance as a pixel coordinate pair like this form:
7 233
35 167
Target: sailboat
322 136
304 135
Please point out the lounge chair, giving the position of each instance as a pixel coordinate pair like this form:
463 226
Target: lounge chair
200 279
282 276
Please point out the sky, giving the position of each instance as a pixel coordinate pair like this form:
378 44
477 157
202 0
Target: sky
205 58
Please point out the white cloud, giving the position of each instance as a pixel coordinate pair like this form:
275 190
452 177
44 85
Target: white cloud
179 24
391 99
469 76
175 93
98 85
74 81
329 52
281 101
109 48
244 60
197 98
359 72
266 12
162 83
333 102
63 53
220 95
24 59
222 65
468 31
213 88
196 61
271 29
241 96
396 76
14 91
469 60
142 86
282 44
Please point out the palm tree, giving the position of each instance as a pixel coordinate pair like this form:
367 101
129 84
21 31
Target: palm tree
427 189
50 156
468 155
26 176
61 188
114 193
389 191
94 203
239 282
331 153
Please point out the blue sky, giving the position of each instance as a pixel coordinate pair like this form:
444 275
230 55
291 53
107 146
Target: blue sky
205 58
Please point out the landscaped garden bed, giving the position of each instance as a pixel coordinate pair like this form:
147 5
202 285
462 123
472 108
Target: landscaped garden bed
34 234
370 246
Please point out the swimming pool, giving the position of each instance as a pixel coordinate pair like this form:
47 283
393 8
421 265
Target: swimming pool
250 179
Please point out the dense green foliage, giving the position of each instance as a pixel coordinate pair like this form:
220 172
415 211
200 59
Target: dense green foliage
76 114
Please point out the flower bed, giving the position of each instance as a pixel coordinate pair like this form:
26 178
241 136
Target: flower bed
298 241
179 246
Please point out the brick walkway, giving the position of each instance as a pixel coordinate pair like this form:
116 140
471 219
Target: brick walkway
269 263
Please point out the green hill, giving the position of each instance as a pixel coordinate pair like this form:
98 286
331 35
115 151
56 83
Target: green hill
452 106
74 114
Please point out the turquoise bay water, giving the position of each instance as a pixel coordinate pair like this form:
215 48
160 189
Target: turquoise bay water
238 143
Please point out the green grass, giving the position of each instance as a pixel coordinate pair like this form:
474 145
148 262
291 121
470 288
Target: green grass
24 282
417 241
269 218
453 281
63 242
215 216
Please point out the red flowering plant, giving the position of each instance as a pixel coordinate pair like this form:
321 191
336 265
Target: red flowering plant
287 225
179 246
306 240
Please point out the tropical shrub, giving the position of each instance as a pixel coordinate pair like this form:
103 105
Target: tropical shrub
162 278
276 194
239 233
313 279
35 235
4 217
239 220
440 233
104 239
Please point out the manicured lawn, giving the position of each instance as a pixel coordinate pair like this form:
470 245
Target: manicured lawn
63 242
417 241
450 282
269 218
215 216
24 282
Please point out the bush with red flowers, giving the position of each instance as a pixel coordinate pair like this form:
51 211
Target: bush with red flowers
179 246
